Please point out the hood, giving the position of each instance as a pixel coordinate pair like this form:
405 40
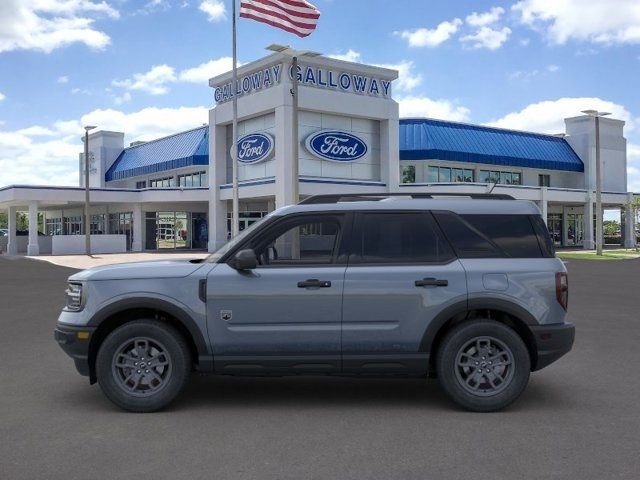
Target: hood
139 270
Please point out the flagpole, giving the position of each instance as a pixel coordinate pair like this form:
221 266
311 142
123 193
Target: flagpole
235 220
294 133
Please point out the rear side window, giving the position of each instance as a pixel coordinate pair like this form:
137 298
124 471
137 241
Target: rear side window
514 234
399 238
489 236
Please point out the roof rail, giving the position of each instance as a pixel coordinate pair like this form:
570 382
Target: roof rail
360 197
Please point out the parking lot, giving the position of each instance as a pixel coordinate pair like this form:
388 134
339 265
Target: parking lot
578 419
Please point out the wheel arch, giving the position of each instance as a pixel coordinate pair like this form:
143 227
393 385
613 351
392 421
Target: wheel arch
127 310
503 311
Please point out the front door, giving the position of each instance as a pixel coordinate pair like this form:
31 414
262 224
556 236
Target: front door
401 274
286 313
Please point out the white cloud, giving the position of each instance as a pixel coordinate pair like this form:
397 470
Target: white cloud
553 68
415 106
488 38
214 9
597 21
349 56
49 154
124 98
203 72
424 37
548 116
63 79
2 96
407 78
45 25
154 81
486 18
526 75
82 91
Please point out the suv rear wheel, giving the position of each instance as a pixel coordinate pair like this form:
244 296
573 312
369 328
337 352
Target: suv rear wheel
143 365
483 365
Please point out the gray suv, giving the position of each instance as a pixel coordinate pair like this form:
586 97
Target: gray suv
467 290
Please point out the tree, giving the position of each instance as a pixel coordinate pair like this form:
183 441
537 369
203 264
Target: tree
611 228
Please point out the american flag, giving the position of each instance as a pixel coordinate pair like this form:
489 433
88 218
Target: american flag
295 16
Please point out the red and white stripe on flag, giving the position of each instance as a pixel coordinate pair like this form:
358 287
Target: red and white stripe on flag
295 16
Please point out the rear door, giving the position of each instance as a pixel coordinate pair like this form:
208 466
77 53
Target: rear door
402 272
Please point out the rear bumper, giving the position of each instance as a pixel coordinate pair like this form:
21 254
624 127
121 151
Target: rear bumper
552 342
74 345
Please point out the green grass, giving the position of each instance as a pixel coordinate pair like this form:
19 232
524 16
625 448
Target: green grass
606 255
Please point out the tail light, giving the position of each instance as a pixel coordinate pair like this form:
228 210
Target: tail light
562 289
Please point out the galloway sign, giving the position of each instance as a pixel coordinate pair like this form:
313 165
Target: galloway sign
336 146
255 147
264 78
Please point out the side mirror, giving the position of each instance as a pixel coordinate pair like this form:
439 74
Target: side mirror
245 260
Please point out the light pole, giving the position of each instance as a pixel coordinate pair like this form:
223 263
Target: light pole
87 217
294 54
596 114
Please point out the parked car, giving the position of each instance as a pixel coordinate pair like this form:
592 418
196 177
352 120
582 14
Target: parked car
464 289
4 232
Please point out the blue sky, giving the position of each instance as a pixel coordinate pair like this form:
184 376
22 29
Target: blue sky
142 66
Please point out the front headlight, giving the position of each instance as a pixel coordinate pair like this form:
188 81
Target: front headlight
74 297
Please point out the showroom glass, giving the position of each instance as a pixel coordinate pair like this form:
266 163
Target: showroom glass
399 238
495 176
409 174
306 241
447 174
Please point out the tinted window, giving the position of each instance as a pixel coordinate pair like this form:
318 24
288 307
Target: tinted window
544 238
514 234
468 241
400 238
308 240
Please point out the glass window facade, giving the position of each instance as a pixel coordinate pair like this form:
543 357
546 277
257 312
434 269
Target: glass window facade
408 174
122 224
497 176
196 179
544 180
176 230
142 184
447 174
162 182
53 226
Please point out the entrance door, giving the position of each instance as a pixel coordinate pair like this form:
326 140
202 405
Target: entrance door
401 274
287 311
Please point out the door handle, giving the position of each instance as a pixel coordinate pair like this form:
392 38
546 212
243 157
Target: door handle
314 283
431 282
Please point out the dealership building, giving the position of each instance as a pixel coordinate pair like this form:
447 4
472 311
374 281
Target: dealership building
175 193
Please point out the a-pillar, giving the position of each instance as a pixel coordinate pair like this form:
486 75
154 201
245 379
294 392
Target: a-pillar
589 241
12 246
32 247
136 244
629 224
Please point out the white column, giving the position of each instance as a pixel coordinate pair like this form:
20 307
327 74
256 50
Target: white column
543 204
629 224
390 151
32 247
284 157
136 243
218 152
589 242
565 227
12 246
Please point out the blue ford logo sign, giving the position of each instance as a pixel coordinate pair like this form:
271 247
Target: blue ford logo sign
255 147
336 146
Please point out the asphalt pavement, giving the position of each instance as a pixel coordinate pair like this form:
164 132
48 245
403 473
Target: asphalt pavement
578 419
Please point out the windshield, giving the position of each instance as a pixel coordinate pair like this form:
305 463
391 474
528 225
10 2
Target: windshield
231 244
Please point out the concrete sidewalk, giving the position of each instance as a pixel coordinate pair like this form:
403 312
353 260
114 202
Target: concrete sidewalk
82 262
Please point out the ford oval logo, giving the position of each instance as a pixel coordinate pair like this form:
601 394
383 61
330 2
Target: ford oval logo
255 147
336 146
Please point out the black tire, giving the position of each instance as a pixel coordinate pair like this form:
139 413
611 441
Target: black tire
134 390
463 346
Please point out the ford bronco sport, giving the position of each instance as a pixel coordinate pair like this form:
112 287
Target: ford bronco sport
466 289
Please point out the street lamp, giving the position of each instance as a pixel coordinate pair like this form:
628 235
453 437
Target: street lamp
294 54
87 217
596 114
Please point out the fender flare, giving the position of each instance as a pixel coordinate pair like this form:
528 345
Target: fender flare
466 306
158 304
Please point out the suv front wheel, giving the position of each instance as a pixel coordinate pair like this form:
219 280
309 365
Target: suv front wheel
143 365
483 365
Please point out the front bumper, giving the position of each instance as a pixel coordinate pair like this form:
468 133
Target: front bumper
75 343
552 342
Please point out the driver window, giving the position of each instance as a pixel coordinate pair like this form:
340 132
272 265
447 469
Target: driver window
307 241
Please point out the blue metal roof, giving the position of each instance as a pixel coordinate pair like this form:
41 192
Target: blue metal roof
427 139
180 150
